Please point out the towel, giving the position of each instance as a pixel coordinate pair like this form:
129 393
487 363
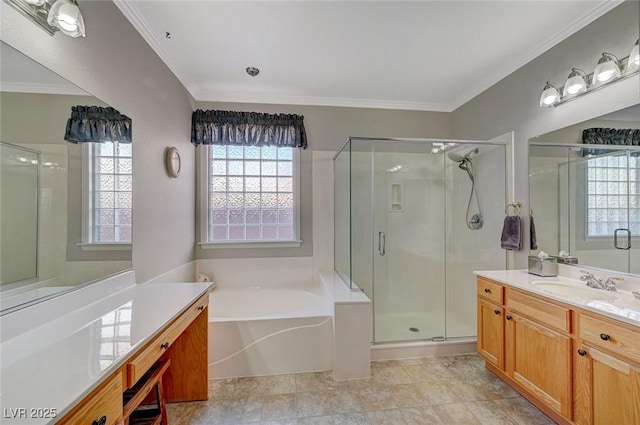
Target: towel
533 240
512 233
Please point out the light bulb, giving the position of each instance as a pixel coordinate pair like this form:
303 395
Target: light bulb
550 95
634 58
576 83
66 16
607 69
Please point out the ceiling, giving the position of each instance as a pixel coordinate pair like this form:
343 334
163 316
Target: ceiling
421 55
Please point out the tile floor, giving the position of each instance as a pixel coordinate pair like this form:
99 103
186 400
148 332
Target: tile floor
447 390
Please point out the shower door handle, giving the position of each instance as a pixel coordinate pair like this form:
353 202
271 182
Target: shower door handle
626 239
382 242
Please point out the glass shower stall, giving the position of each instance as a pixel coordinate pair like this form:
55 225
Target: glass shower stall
413 219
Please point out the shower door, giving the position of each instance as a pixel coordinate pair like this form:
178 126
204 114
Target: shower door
408 198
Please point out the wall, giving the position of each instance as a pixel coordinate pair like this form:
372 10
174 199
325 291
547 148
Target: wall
115 64
513 103
327 130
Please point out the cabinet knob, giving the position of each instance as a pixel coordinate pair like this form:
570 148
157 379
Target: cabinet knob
487 290
605 337
508 317
496 311
582 352
201 308
164 346
100 421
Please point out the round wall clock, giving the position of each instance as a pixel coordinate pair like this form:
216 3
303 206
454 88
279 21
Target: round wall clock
173 162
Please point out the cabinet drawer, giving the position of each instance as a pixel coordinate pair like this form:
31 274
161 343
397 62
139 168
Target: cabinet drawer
147 356
489 290
106 400
611 336
544 312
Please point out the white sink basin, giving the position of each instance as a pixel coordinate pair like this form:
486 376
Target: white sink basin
570 290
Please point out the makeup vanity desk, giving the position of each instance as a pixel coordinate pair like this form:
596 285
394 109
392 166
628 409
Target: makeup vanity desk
74 366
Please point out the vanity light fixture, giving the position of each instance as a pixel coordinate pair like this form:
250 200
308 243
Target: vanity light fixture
550 95
65 15
608 70
53 15
576 83
633 63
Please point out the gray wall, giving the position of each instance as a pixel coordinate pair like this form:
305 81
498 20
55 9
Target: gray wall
115 64
327 130
513 103
17 112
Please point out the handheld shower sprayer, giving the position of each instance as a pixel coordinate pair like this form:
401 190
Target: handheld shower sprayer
465 163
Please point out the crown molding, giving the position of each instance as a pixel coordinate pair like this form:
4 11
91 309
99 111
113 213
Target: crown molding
130 12
244 97
41 89
510 67
128 9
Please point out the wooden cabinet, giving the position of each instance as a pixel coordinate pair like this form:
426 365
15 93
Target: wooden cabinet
103 402
607 372
491 332
539 359
181 347
612 389
577 366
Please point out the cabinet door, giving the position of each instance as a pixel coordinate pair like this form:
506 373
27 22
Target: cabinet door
491 333
539 359
615 389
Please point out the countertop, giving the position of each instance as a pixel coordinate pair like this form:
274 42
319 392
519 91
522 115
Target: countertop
619 305
55 365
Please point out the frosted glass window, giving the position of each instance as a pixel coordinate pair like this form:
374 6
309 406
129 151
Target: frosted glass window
251 194
612 195
110 199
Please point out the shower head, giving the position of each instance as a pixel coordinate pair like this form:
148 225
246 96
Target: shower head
464 161
457 156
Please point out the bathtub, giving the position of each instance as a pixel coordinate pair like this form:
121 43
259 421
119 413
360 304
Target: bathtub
269 330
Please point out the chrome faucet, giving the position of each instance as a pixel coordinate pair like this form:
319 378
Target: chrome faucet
591 280
610 283
594 282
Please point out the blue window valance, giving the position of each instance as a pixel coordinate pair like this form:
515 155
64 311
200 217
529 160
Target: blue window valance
95 124
609 136
247 129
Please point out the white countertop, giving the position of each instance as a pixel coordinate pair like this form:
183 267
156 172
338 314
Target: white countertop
56 364
620 305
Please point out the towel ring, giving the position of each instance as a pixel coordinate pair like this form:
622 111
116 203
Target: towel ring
515 205
531 211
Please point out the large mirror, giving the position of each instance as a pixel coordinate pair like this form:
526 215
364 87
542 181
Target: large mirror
585 198
65 208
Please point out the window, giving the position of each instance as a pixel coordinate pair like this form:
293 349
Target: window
251 194
108 197
613 195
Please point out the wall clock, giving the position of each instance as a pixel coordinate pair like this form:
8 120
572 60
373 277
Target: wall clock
173 162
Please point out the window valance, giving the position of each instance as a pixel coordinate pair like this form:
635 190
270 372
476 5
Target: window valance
95 124
609 136
247 129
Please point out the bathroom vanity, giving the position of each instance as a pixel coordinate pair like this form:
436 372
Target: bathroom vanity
75 366
571 350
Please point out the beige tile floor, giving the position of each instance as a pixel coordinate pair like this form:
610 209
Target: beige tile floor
447 390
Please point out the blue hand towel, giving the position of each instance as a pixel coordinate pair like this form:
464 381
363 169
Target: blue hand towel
512 233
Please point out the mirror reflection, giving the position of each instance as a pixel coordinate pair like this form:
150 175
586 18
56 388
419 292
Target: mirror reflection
585 197
65 208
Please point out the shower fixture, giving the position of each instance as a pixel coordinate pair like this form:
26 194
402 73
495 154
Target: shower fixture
476 221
